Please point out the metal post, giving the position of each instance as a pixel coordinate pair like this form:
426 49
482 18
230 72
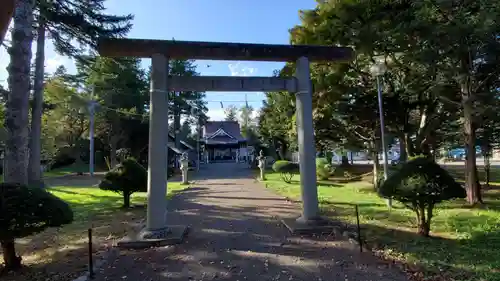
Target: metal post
382 132
360 241
91 261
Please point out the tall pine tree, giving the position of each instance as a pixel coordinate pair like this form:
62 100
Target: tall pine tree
67 23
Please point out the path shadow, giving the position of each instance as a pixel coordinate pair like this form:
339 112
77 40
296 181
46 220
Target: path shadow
242 242
224 171
244 198
222 183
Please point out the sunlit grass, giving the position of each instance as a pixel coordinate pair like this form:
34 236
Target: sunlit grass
61 253
465 241
459 173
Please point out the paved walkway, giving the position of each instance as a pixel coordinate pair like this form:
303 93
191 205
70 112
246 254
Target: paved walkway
235 236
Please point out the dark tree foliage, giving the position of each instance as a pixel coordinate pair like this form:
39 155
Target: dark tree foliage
286 169
126 178
420 184
25 211
81 22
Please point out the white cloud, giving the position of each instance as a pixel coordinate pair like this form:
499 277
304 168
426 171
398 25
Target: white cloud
52 63
237 69
216 114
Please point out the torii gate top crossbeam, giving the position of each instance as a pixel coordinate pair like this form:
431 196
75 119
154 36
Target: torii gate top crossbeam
220 51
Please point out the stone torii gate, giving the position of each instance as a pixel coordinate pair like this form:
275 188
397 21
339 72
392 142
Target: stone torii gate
157 231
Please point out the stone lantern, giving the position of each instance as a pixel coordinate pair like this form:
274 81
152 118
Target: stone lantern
184 167
262 165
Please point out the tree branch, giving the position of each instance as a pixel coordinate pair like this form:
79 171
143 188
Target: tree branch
447 100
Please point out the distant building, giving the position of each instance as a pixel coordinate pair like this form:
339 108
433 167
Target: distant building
222 141
175 152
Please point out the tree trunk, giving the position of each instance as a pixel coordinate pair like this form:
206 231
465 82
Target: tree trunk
282 150
17 106
177 128
487 166
34 171
126 200
423 224
113 143
423 228
472 185
344 161
408 146
376 166
403 155
11 260
435 153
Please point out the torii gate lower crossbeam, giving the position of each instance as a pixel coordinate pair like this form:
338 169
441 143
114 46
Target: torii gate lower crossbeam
157 232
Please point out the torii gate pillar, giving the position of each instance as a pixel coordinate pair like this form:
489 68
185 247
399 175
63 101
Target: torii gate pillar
156 231
307 149
158 151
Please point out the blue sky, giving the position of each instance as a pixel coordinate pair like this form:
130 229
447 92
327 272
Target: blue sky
246 21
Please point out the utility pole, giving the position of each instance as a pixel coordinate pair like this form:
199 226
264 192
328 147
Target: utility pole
195 111
246 128
378 70
198 126
92 104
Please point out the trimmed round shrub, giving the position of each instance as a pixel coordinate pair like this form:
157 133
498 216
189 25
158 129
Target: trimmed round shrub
25 211
64 157
122 154
126 178
420 184
278 165
323 168
286 169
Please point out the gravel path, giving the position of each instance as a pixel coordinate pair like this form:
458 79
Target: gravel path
235 236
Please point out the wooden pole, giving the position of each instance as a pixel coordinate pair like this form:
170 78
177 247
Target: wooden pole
359 229
91 261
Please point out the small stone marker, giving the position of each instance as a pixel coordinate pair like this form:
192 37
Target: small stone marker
262 165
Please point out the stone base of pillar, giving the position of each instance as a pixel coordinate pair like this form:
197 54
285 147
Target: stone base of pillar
317 225
170 235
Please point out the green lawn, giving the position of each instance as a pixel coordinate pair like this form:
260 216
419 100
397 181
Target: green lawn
465 242
459 173
59 172
61 253
88 202
66 170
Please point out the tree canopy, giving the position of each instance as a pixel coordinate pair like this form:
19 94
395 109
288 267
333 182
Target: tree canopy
441 79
